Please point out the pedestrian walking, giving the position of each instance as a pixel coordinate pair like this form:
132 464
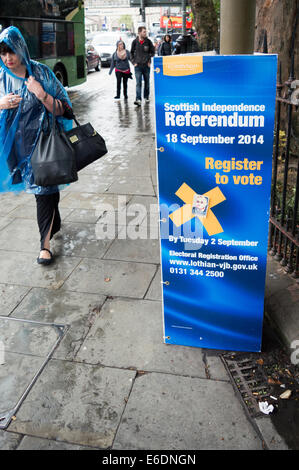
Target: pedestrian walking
28 90
166 46
120 62
142 51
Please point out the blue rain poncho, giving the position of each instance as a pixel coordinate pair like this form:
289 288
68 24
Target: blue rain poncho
20 127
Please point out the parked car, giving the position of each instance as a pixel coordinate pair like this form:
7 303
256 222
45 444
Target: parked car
105 45
93 60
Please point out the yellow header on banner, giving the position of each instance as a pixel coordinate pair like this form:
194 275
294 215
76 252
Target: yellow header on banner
178 66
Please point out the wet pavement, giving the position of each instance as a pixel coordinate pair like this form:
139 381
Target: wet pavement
110 382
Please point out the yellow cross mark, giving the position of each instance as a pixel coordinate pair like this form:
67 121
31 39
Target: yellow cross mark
184 214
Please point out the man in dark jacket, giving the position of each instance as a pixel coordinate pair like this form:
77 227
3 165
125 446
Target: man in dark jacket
186 44
142 51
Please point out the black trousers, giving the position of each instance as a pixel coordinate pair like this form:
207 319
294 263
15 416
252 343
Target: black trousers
120 76
47 211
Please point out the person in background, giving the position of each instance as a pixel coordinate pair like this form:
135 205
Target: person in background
166 46
142 51
186 44
157 45
28 91
120 61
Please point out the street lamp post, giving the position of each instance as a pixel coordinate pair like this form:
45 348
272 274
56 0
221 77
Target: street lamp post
142 7
184 17
237 26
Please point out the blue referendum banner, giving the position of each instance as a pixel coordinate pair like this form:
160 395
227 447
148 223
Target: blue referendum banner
214 135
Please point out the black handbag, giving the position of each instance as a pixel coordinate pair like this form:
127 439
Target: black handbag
88 145
53 159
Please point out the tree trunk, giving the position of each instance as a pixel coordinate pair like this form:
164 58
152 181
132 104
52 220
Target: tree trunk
275 26
277 32
206 24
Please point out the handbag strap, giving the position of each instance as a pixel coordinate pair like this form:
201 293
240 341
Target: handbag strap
54 126
75 119
60 107
54 123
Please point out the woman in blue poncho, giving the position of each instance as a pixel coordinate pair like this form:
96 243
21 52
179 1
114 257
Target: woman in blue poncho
27 91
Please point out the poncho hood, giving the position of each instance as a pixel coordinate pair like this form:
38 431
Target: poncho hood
14 39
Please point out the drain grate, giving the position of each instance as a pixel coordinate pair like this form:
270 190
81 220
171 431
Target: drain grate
249 380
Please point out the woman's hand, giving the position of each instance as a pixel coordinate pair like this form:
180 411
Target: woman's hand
10 101
35 87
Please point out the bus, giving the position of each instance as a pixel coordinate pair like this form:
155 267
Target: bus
54 32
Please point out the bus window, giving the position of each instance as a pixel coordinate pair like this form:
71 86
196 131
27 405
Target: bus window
30 31
64 39
48 40
54 33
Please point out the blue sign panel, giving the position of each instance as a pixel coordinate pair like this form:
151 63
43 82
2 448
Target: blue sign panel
214 126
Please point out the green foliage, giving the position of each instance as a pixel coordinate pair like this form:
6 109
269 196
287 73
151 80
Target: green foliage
217 7
127 20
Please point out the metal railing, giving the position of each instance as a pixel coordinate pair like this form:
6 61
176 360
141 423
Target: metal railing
284 223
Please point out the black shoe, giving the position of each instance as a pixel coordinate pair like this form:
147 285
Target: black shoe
45 261
125 97
117 98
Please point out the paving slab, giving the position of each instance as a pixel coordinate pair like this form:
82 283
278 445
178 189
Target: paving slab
84 216
10 297
127 216
132 185
101 167
155 290
137 167
149 202
10 201
272 439
15 375
93 183
137 325
5 220
26 211
139 249
214 366
9 440
20 235
75 309
113 278
22 269
24 337
36 443
181 413
94 201
75 403
81 240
